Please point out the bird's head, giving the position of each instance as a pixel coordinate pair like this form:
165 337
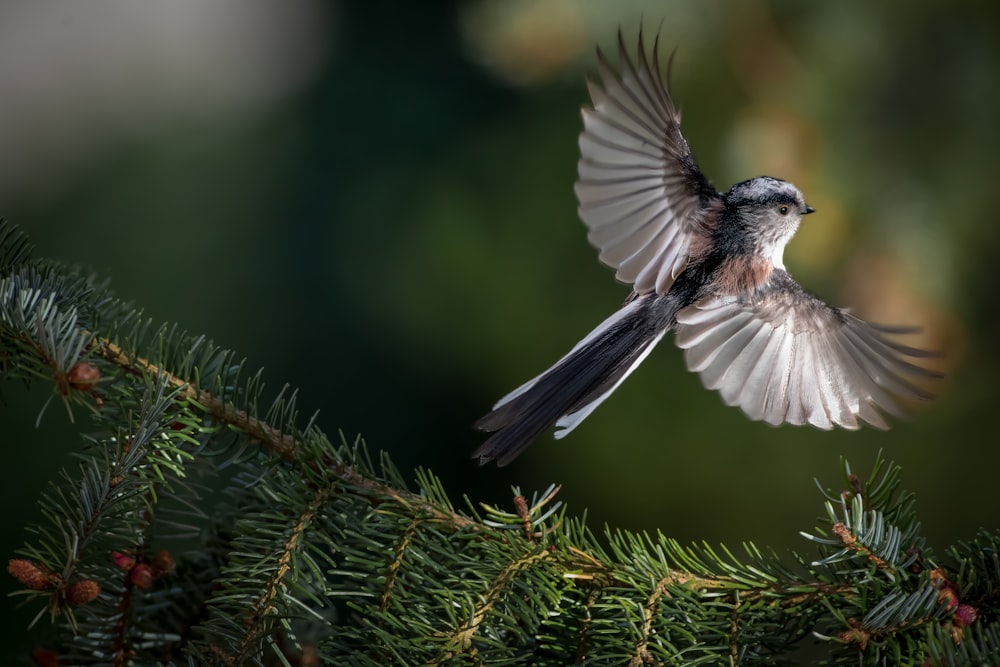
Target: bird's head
770 210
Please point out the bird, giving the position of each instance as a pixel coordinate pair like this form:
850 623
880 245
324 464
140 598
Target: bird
708 266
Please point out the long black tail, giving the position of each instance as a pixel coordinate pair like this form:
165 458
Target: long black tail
567 392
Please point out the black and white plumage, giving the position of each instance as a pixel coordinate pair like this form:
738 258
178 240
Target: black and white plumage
707 265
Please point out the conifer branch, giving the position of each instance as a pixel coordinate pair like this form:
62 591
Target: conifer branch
265 606
281 444
315 552
462 639
397 561
640 656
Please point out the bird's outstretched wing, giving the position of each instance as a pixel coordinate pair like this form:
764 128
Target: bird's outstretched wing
787 357
641 194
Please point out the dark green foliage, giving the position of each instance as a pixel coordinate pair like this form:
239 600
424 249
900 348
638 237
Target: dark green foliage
222 530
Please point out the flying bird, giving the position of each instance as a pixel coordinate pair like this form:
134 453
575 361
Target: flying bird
707 265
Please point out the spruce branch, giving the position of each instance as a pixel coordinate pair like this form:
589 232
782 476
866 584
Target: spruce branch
281 444
205 525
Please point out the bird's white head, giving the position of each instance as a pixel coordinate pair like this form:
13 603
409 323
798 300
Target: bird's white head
770 210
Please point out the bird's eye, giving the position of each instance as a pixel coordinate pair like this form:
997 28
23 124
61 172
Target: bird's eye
783 209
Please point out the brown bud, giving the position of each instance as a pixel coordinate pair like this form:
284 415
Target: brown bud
142 576
163 562
842 531
82 592
83 376
31 574
936 575
855 635
521 507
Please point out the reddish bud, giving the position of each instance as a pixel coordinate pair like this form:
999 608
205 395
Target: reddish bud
82 592
163 562
45 657
83 376
855 483
310 658
31 574
142 576
965 615
948 598
123 561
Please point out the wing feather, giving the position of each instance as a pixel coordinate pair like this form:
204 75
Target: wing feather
738 387
716 374
639 190
753 393
777 388
784 356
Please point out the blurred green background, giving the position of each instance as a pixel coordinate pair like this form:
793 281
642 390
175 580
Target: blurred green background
374 201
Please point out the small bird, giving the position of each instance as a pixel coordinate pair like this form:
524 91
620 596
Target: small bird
707 265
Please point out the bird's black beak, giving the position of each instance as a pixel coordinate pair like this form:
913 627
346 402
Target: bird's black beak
809 209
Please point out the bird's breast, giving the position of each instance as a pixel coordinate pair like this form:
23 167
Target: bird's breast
738 274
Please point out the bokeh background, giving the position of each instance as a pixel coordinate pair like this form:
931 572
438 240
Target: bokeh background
374 201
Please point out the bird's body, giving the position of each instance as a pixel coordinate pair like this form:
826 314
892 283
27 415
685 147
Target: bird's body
708 265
